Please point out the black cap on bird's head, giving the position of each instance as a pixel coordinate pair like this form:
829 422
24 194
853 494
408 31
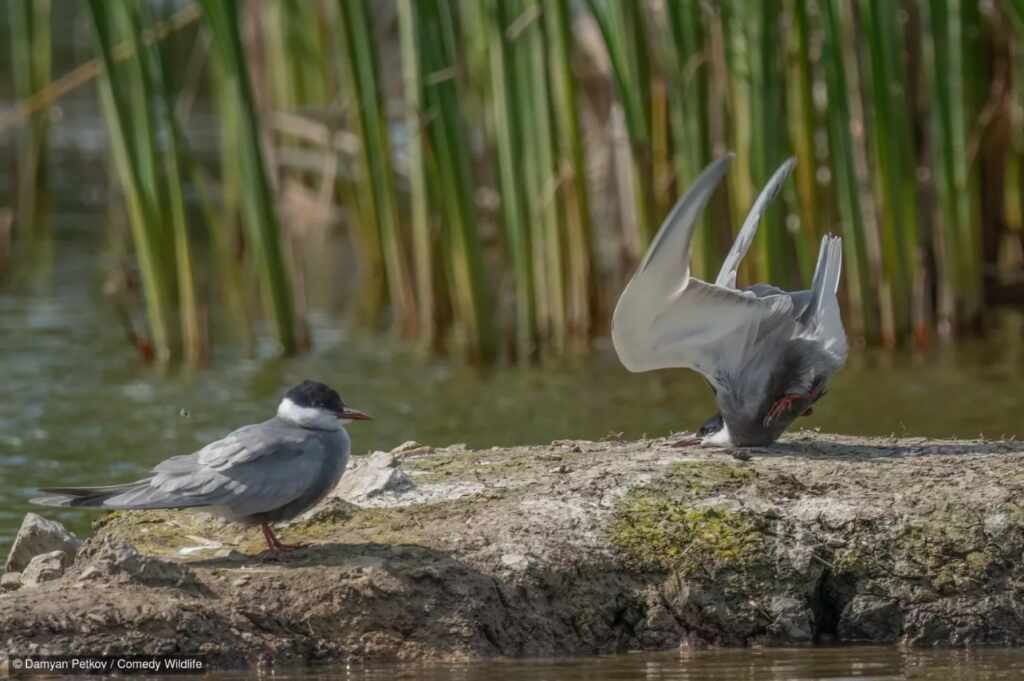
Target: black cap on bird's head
316 395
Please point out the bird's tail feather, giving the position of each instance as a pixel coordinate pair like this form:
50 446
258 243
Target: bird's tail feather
133 495
826 275
86 496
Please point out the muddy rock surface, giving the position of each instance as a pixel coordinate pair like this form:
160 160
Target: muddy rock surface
567 549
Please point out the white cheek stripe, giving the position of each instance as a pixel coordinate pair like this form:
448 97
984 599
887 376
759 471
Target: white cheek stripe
307 416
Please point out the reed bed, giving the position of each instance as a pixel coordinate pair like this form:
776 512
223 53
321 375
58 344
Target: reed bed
491 210
31 47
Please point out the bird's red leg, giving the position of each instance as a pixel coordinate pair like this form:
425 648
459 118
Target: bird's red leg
274 543
268 534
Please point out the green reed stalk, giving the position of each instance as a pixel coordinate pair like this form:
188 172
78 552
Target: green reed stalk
861 295
535 175
768 140
369 119
297 54
222 18
801 130
626 39
194 342
133 155
740 59
948 148
540 145
423 237
689 94
969 29
572 172
450 158
225 223
509 130
893 156
30 60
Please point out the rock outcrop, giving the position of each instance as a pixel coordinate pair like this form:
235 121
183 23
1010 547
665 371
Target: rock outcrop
36 536
572 548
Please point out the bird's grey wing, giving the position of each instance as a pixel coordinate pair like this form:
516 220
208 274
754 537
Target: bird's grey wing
666 318
727 275
712 329
667 262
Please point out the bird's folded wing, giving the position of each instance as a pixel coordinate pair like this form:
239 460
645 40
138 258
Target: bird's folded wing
253 469
248 444
280 473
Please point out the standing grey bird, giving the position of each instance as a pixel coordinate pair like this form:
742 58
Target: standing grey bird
260 474
767 353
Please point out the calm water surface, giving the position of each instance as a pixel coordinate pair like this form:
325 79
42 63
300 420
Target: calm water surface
771 664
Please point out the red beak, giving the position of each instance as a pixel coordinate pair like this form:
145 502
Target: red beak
353 414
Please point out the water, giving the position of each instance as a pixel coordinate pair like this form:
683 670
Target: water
765 664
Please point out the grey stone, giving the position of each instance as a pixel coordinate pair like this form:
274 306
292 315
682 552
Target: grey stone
45 567
37 536
371 476
794 621
868 618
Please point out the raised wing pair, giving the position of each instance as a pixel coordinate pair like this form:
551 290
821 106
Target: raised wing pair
767 353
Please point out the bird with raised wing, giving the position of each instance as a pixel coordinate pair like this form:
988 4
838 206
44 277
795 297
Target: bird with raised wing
260 474
768 354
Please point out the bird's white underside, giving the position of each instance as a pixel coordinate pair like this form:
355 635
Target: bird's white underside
719 438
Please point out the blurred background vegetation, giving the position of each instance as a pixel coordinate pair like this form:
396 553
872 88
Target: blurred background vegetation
481 176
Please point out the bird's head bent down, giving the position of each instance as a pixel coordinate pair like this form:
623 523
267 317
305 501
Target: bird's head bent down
760 402
317 406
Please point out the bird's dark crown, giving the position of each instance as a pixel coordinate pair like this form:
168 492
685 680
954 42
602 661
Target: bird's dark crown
316 396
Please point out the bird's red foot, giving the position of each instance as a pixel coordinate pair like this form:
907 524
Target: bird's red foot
274 545
290 547
781 406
